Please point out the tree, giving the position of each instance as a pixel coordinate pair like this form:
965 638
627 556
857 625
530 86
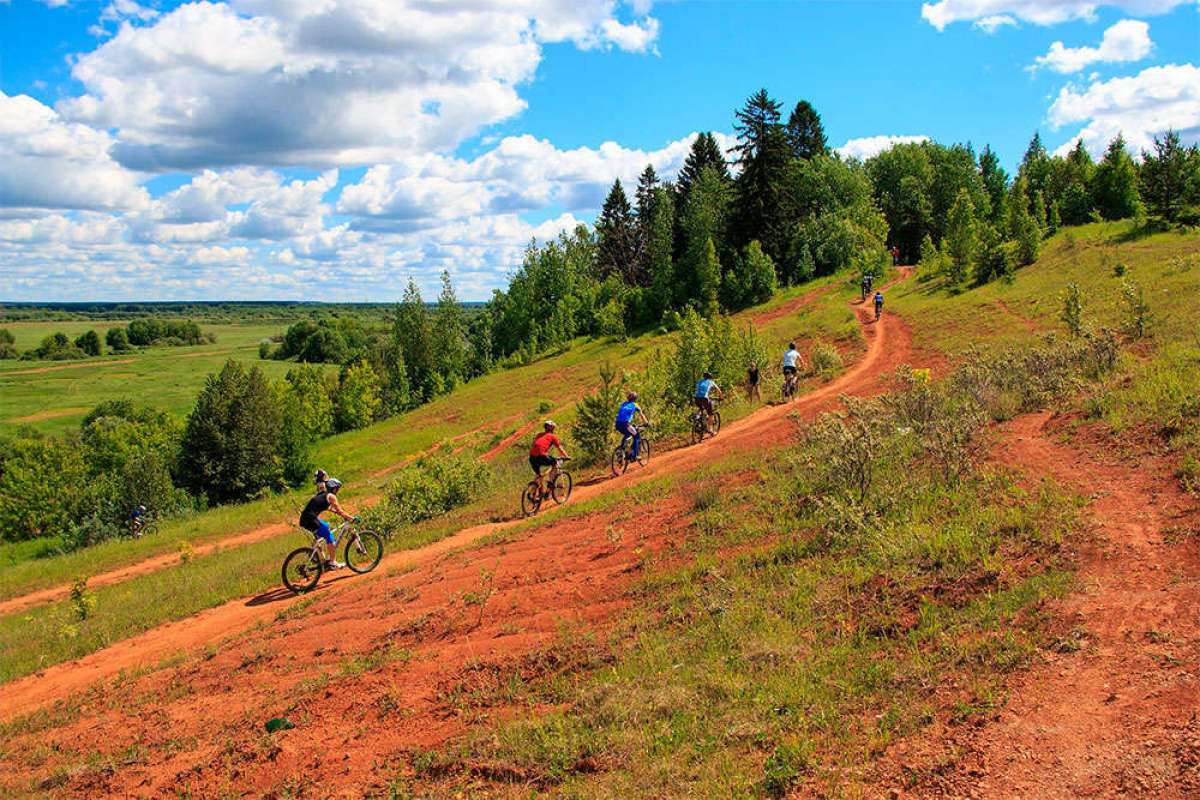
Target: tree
659 264
901 178
232 440
412 330
751 280
451 348
763 154
1076 208
995 181
40 486
1072 312
89 343
593 428
703 225
314 405
117 340
357 398
326 345
1115 183
961 237
644 198
708 278
705 152
616 248
1036 167
1169 177
805 133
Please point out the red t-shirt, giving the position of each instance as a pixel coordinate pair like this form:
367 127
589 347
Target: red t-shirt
543 443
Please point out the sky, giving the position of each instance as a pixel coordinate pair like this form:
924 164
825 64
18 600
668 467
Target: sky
334 149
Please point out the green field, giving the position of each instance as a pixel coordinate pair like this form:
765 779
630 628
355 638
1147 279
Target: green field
53 396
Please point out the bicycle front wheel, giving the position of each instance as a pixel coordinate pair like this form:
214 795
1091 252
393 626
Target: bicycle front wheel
716 423
302 569
560 490
643 452
363 552
531 499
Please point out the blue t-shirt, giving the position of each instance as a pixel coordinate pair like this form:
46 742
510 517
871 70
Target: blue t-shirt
704 387
625 412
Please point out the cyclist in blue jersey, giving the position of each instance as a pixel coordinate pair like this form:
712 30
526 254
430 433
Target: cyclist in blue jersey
703 398
625 414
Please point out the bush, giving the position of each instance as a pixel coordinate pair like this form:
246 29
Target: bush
428 488
1135 311
8 347
1072 313
117 339
593 430
43 487
824 360
89 343
56 347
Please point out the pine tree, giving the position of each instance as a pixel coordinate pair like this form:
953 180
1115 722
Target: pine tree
962 241
1035 168
705 152
593 428
1115 183
708 279
763 154
412 331
616 249
1169 177
805 133
450 336
995 181
645 198
659 246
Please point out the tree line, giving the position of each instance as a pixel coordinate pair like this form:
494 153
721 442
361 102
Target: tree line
145 332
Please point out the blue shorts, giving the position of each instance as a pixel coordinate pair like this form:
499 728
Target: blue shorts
625 428
323 531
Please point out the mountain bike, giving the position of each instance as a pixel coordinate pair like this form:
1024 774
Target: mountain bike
702 427
622 456
878 311
537 490
303 567
790 384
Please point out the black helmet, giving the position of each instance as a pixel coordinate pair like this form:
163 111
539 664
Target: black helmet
332 485
791 345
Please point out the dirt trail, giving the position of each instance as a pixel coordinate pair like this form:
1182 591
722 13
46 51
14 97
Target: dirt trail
888 345
1119 717
61 367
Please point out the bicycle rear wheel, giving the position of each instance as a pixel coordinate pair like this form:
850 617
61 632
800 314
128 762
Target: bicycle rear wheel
560 490
302 569
643 452
697 429
363 552
531 499
619 464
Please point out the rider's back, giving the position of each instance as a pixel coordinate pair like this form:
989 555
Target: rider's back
317 505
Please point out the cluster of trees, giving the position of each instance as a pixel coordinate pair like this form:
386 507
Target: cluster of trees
709 241
54 347
139 333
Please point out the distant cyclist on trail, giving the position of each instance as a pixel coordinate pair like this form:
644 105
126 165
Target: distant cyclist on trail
878 304
791 364
703 398
310 518
624 424
867 280
539 453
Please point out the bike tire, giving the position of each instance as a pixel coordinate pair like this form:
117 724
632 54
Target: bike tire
643 452
531 499
302 570
619 464
697 430
363 552
561 488
716 426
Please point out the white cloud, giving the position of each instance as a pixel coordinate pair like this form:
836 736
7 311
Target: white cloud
993 23
1039 12
869 146
1127 40
325 83
519 174
1140 106
48 163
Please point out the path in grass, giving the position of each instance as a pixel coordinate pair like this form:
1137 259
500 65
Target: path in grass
60 367
762 428
379 664
1115 712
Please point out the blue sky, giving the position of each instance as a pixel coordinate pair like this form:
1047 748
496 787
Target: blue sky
257 149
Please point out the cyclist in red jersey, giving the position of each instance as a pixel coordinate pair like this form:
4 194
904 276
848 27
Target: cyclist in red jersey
539 453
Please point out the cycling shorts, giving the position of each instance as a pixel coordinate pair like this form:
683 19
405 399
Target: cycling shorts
704 404
789 370
537 462
319 529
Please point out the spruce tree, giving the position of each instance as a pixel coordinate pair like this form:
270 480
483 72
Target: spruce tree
995 181
805 133
962 240
450 336
708 278
645 198
616 246
593 428
659 264
705 152
763 154
1169 177
1115 184
1036 167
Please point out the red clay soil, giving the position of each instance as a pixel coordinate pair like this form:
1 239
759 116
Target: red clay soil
1118 718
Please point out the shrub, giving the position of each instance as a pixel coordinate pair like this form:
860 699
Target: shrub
42 486
1135 311
56 347
1072 313
824 360
117 339
593 430
8 347
89 343
428 488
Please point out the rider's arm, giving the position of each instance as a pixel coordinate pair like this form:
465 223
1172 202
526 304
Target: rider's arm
643 415
336 508
558 444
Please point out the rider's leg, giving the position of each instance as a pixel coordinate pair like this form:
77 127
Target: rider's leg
637 441
326 535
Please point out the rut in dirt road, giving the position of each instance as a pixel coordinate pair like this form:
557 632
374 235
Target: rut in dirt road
888 345
1118 717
